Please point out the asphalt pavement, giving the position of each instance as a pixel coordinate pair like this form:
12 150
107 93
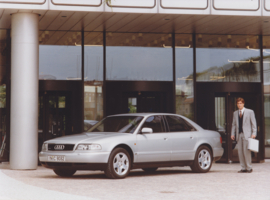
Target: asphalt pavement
222 182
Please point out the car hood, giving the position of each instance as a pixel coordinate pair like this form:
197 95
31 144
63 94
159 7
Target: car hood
85 137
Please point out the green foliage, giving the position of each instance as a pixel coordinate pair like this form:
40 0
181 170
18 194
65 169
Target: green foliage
2 96
132 109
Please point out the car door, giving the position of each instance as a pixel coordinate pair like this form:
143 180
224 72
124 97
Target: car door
156 146
183 137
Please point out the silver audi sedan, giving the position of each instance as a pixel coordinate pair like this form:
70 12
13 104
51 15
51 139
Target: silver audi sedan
123 142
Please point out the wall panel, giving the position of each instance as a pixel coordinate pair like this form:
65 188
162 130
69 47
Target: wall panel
77 2
133 4
23 1
245 5
183 4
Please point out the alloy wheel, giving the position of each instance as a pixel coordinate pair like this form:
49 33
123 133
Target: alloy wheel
121 164
204 159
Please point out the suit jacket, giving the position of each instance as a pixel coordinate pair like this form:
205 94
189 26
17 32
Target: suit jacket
249 124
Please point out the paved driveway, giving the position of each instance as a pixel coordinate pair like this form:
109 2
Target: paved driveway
222 182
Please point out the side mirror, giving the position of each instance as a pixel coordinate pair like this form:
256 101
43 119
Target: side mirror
147 130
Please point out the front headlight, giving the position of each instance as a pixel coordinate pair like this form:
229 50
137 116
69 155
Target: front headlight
45 147
89 147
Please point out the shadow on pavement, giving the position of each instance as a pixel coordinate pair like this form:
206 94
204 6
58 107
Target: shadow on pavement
140 173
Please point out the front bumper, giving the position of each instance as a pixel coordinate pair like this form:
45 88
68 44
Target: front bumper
74 166
75 160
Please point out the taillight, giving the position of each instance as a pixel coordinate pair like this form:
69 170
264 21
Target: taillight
220 140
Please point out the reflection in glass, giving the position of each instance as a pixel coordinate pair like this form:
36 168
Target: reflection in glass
93 56
93 78
132 105
227 58
139 57
93 101
59 55
120 124
4 66
266 78
220 118
184 75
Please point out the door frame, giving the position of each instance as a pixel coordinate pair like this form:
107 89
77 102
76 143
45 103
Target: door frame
45 113
115 91
205 112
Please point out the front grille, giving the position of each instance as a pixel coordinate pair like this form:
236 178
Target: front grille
60 147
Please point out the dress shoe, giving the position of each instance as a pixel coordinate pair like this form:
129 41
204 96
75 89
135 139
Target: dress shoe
249 170
242 171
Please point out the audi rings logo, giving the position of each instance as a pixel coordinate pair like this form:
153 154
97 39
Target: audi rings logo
59 147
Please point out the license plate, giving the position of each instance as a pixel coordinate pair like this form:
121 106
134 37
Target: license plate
56 158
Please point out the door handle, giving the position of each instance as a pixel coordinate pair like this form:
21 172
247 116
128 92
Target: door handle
191 137
165 138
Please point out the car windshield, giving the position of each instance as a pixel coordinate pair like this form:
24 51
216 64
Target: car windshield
120 124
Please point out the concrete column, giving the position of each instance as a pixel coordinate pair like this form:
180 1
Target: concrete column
24 91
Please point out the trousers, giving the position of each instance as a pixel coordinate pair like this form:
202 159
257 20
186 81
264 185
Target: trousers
244 154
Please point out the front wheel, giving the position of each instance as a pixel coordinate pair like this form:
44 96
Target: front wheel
203 160
64 173
119 164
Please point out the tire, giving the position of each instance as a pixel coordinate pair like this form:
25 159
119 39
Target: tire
119 164
64 173
203 160
153 169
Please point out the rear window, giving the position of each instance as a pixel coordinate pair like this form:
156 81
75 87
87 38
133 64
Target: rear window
178 124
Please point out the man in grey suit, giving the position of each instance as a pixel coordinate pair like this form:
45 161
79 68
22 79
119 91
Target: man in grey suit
243 127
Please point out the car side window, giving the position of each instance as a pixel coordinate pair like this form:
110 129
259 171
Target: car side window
177 124
155 123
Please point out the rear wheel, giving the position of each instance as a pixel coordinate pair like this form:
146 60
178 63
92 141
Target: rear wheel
64 173
153 169
119 164
203 160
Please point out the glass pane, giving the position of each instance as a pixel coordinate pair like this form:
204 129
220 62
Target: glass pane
61 102
220 117
93 56
228 58
266 78
52 118
177 124
220 120
40 122
93 79
4 66
184 75
155 123
132 105
121 124
59 55
93 102
137 56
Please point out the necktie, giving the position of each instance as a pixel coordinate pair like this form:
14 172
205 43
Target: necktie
240 114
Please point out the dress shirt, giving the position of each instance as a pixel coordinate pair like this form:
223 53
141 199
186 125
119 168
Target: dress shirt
243 110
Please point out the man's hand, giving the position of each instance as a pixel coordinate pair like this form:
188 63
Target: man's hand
232 137
253 136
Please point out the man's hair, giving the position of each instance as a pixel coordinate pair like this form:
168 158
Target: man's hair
240 99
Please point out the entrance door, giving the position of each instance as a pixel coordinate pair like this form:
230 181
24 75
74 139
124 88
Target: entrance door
144 102
225 105
54 115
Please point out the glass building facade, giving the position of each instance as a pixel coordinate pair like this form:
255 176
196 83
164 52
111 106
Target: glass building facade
92 59
4 93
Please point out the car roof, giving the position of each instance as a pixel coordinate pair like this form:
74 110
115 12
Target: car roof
150 114
141 114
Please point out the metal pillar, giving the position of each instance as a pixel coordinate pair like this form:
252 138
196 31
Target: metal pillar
24 91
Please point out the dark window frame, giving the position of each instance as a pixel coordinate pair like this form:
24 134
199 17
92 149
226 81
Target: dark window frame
163 123
185 121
